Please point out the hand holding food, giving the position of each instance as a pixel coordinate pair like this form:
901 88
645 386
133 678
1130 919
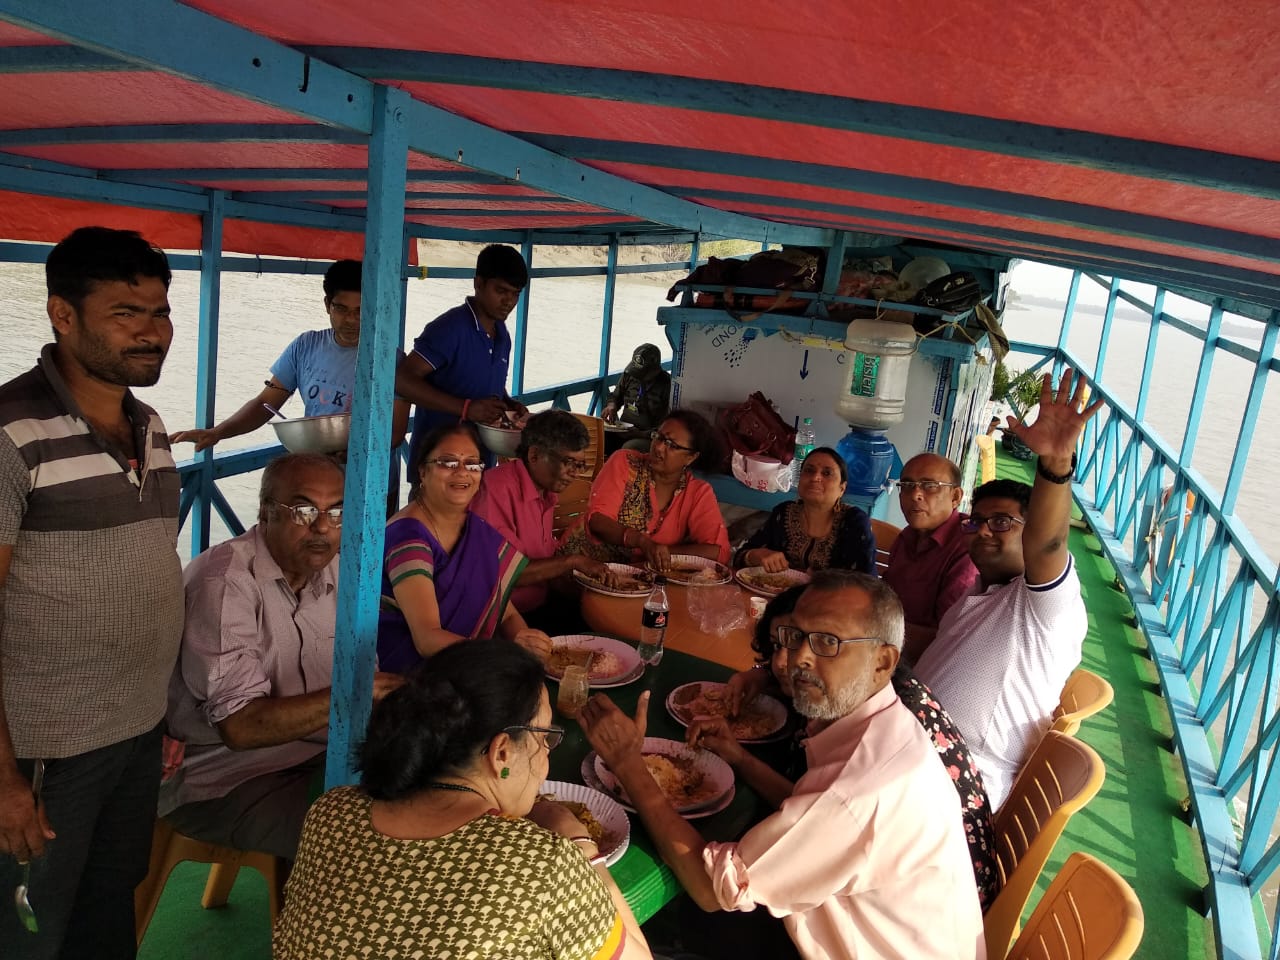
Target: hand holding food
713 733
486 409
536 642
773 561
743 687
615 736
657 555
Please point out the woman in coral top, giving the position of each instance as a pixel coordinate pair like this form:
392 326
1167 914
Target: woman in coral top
649 506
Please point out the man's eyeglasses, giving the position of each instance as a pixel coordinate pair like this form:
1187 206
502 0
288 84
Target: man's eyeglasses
452 463
551 736
822 644
928 487
571 464
344 313
998 524
662 438
304 514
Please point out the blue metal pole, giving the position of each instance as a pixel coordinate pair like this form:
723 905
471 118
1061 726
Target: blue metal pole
207 363
365 495
1108 319
1211 336
606 328
1068 314
1149 362
519 341
1249 422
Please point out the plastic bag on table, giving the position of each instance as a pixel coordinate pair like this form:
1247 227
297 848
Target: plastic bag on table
719 610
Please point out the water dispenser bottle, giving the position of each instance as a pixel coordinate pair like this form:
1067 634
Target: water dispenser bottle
869 456
879 358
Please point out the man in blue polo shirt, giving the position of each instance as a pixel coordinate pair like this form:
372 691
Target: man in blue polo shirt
320 365
459 363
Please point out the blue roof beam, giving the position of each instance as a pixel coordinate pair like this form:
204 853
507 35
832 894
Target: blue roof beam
918 189
1124 155
158 34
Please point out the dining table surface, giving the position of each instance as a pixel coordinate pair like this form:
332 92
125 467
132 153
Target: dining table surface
646 882
726 642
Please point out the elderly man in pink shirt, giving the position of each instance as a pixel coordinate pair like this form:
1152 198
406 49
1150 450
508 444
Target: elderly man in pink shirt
518 499
929 566
867 857
250 694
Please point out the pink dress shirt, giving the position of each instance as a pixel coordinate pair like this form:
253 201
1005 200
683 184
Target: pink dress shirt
247 635
511 503
931 571
867 857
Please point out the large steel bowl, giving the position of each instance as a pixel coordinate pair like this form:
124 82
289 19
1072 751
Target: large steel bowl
327 434
501 441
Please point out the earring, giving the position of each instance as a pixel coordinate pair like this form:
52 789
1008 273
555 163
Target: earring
506 772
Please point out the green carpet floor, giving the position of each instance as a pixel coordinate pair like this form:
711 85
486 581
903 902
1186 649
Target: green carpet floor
1136 823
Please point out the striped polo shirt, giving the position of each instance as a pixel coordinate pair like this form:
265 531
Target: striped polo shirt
92 608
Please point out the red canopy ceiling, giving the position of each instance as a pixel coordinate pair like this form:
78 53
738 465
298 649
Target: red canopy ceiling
1143 135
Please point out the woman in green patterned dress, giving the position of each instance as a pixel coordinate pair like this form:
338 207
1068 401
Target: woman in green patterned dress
442 852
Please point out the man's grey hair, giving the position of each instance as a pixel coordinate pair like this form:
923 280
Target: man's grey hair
281 467
887 622
556 430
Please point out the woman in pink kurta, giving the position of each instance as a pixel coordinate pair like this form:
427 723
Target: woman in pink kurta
649 506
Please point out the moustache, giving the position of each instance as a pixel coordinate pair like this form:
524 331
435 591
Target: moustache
144 352
808 677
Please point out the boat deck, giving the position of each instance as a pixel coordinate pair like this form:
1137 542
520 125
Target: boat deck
1137 823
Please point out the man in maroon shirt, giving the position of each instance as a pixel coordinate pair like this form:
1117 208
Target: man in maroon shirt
929 565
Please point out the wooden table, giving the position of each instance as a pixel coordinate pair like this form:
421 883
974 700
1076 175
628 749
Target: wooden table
646 882
620 617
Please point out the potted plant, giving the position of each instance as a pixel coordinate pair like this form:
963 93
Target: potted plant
1021 391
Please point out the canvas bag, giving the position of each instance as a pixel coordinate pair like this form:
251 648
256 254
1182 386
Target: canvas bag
754 429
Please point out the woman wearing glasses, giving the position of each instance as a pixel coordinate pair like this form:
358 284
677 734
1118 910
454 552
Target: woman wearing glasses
816 530
447 575
775 634
442 848
649 506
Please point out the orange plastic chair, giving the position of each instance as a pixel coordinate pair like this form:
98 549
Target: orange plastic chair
170 848
885 534
1061 776
1088 913
1084 694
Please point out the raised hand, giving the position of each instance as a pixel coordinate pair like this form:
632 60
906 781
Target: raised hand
1061 420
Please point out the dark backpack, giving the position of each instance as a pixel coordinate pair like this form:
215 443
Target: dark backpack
952 293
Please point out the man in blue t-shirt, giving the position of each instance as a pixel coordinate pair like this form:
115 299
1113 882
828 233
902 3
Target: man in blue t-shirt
318 364
458 367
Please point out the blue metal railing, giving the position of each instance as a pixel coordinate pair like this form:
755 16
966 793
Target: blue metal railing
1205 594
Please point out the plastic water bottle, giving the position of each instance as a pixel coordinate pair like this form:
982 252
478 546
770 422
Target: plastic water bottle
878 365
653 623
805 442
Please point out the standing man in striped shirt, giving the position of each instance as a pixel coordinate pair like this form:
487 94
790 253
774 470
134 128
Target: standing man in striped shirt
91 602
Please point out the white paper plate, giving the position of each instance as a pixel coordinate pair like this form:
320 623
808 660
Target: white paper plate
722 573
715 772
606 810
588 771
794 578
763 703
630 666
597 587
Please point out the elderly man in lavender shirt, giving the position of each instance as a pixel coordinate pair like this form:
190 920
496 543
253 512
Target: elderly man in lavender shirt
929 566
250 695
867 857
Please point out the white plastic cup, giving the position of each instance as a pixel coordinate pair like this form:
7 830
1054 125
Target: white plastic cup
757 605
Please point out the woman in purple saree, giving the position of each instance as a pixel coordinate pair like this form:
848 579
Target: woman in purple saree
446 574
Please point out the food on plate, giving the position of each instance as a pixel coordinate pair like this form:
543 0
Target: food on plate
753 722
582 812
692 573
769 581
637 581
680 780
600 664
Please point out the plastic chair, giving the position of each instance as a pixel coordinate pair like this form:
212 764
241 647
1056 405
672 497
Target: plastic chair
1061 776
170 848
1088 913
1084 694
885 533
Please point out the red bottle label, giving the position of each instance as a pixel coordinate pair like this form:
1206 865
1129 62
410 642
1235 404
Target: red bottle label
654 619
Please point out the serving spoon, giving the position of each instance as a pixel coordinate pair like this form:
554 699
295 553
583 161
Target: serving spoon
275 411
20 901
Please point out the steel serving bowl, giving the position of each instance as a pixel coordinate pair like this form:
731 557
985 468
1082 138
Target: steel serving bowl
327 434
501 441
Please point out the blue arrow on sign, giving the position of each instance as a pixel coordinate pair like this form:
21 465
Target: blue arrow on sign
804 366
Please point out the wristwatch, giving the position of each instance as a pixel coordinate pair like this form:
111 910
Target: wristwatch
1057 477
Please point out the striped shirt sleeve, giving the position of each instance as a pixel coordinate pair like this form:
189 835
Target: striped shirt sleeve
410 558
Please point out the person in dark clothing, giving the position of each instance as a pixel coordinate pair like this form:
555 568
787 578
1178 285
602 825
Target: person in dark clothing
641 398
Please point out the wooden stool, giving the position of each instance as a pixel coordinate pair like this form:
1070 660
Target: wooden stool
170 848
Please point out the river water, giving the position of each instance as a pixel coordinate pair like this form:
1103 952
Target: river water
261 314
